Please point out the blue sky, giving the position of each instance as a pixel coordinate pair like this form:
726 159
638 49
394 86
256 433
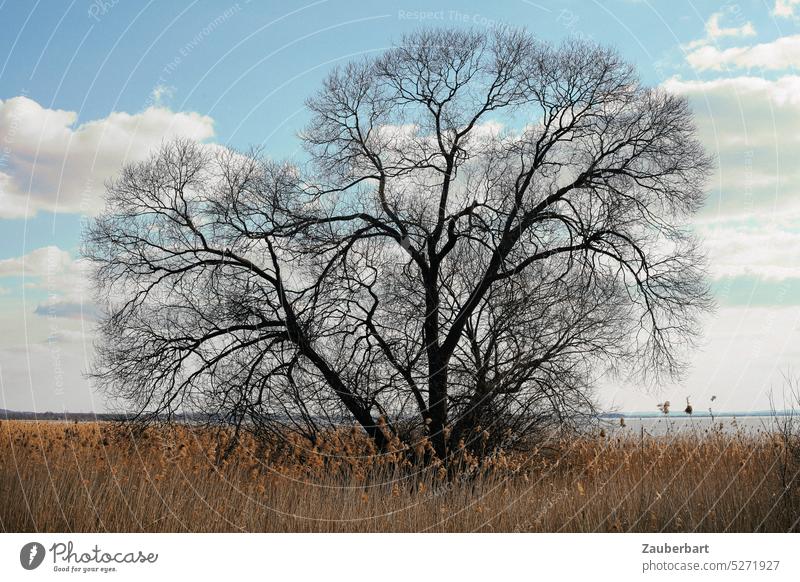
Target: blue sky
88 85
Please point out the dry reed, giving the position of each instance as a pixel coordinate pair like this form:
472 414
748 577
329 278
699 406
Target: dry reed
88 477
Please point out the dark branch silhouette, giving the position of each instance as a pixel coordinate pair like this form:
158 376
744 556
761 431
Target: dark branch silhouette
485 223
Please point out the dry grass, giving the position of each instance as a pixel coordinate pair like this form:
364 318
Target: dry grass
86 477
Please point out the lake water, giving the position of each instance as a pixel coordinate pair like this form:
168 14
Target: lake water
661 425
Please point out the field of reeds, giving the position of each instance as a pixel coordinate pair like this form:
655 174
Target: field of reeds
64 476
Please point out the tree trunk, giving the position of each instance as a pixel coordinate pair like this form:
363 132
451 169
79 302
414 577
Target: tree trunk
437 406
437 365
350 400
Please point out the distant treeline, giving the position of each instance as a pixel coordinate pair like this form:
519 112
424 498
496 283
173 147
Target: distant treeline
190 417
69 416
196 417
87 416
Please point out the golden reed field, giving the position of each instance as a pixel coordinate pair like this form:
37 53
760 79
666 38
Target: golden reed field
59 476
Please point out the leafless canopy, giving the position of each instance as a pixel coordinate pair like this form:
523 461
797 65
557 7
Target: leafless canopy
482 224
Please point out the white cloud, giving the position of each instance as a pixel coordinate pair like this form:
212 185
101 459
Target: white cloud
54 271
42 359
751 125
751 223
782 53
785 8
781 91
37 263
50 162
755 246
161 93
715 30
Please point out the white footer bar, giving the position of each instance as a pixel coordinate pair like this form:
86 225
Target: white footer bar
400 557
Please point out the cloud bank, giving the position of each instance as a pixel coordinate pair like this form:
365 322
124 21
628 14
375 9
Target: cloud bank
49 161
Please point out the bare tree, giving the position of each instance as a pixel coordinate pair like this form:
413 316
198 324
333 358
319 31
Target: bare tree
483 223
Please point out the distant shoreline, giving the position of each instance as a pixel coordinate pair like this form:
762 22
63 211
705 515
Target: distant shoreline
50 415
108 416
